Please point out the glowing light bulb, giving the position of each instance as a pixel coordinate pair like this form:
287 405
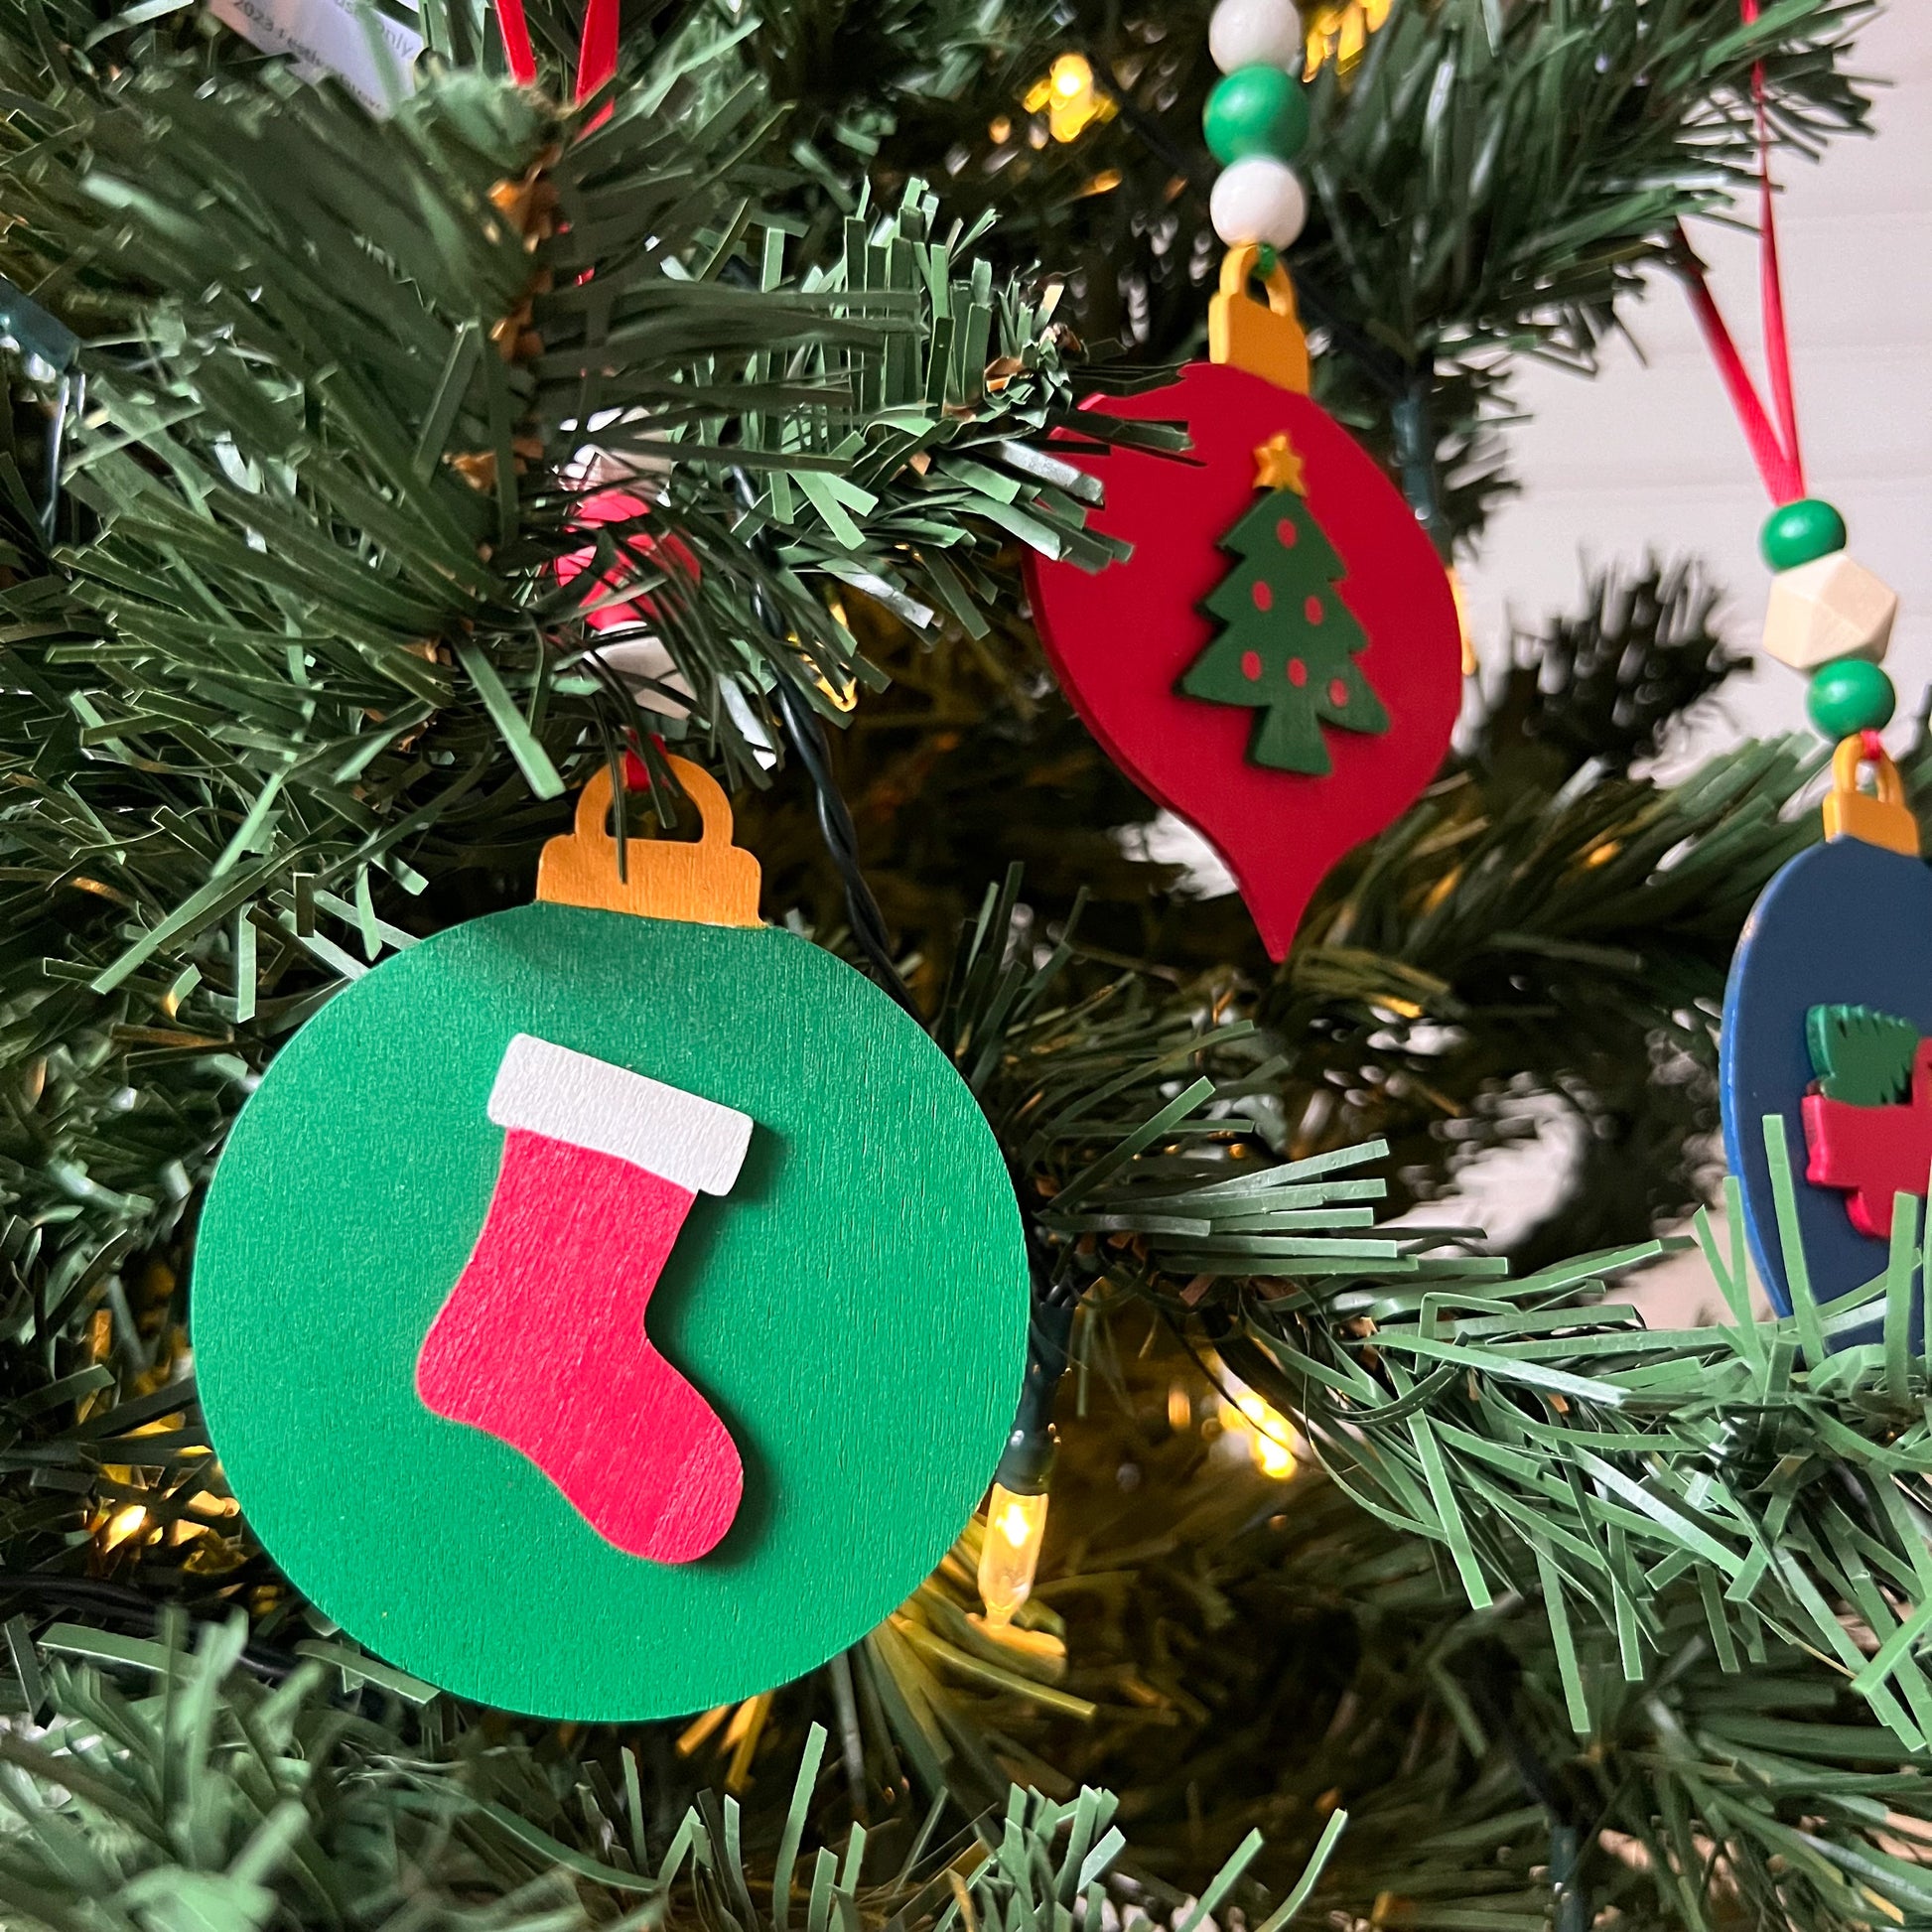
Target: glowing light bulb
1067 93
1271 1435
1339 31
124 1523
1010 1552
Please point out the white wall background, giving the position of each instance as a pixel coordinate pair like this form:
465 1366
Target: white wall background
1649 454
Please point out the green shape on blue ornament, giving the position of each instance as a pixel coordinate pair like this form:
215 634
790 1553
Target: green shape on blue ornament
1862 1057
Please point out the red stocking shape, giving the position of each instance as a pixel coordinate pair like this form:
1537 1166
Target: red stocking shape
541 1343
1876 1154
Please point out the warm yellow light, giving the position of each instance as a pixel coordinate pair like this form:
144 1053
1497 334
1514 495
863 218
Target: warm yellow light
843 695
1339 31
1010 1552
1067 93
1462 623
123 1524
1271 1438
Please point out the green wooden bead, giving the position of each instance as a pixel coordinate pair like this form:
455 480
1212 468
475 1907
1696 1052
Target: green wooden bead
1800 533
1256 111
1850 695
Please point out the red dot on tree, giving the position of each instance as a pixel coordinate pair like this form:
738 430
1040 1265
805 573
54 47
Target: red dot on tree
1337 693
1298 672
1311 609
1286 533
1251 664
1264 597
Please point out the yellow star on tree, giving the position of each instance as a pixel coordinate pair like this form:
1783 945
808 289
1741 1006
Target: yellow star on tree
1278 467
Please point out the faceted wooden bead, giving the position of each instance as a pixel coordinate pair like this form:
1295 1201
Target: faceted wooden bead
1850 695
1828 609
1800 533
1256 111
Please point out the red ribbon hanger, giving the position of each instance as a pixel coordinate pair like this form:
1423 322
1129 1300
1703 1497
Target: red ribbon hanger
1771 433
596 53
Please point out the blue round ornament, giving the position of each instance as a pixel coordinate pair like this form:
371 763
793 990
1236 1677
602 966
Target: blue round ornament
1836 959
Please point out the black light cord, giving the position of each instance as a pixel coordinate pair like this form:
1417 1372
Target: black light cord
867 922
1490 1683
807 733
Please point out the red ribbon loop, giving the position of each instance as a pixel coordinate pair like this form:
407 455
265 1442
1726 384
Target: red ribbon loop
1773 442
596 53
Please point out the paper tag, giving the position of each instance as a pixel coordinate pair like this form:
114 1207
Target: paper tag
370 53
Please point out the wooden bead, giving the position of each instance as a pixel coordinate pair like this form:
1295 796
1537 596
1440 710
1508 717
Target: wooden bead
1258 199
1244 32
1800 533
1828 609
1256 111
1850 694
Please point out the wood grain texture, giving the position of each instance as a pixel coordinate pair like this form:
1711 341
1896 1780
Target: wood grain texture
542 1345
710 880
1845 923
691 1142
1121 638
854 1310
1263 338
1828 609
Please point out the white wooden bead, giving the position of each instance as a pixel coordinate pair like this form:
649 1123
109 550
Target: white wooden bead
1255 33
1828 609
1258 199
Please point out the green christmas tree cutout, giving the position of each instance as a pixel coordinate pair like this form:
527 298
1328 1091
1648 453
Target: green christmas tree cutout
1288 642
1862 1056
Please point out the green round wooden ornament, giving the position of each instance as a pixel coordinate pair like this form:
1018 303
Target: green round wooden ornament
1849 695
1801 532
611 1307
1256 111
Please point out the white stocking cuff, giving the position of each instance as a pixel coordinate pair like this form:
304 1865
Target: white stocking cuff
693 1143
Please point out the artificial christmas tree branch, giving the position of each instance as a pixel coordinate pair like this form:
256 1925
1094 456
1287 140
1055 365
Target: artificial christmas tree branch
278 1811
285 690
1487 183
1219 1621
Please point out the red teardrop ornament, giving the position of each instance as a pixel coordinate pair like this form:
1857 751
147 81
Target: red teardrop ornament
1120 639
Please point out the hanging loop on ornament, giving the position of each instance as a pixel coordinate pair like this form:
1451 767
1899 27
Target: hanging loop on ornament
1264 341
1885 820
709 881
